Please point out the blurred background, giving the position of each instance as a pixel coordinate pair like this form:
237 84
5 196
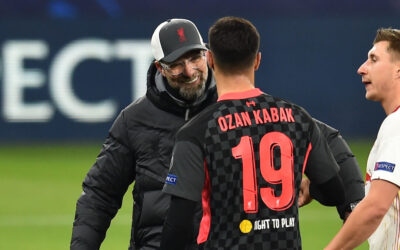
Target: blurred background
68 67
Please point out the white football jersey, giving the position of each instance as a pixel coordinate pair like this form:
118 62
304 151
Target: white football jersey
384 163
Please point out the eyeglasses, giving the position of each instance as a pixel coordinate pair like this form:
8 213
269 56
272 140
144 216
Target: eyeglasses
196 61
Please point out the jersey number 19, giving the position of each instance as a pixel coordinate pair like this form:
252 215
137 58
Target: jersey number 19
284 175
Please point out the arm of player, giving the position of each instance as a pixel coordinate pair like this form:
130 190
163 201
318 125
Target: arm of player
366 217
177 226
184 183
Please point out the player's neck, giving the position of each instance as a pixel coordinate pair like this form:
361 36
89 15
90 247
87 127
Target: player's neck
230 83
391 107
233 84
392 100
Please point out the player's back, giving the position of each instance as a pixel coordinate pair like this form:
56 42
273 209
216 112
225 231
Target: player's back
256 146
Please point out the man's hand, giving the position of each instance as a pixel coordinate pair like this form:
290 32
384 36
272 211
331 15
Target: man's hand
304 194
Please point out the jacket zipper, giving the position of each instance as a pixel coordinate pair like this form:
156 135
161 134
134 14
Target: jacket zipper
187 115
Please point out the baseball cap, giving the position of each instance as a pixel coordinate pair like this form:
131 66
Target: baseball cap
175 37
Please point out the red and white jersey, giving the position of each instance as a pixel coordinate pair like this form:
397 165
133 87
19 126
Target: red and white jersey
384 164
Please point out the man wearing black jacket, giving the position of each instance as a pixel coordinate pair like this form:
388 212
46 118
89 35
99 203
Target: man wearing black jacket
139 145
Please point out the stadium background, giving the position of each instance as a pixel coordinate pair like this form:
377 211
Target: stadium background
68 67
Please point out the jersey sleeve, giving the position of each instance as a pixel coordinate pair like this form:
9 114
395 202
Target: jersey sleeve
387 165
186 175
387 150
321 165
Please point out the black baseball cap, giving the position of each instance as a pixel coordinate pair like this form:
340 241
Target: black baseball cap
175 37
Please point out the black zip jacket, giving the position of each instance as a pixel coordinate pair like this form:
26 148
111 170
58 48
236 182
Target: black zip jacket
138 148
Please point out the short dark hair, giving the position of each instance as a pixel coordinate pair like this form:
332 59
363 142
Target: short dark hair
392 36
234 43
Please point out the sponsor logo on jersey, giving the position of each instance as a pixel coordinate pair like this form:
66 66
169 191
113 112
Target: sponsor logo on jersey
245 226
171 179
274 223
385 166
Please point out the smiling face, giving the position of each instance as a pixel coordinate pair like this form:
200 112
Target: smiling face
191 81
378 73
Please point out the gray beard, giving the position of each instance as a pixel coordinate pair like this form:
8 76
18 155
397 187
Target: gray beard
191 94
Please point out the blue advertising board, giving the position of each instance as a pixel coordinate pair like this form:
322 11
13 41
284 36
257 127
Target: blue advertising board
69 78
59 80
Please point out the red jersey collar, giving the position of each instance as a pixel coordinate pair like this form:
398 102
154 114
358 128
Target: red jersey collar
396 109
240 95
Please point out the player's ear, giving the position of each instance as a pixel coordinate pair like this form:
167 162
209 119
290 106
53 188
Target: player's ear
159 67
257 61
398 70
210 59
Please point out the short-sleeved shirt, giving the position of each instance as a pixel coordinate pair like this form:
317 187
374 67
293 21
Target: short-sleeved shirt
384 164
244 157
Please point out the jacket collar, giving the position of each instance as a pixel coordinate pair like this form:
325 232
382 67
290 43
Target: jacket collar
163 99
